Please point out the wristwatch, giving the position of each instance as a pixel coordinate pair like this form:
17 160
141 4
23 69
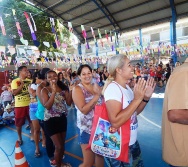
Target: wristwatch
146 101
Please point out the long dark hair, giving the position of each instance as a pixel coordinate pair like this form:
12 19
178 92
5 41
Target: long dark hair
35 75
83 66
60 84
41 74
59 75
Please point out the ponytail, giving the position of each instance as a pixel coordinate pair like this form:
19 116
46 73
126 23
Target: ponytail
114 62
107 82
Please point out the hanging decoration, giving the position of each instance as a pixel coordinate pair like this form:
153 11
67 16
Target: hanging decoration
57 43
107 38
79 49
84 34
2 26
36 43
23 41
111 36
70 27
60 29
96 44
47 44
100 37
137 40
72 36
116 39
133 49
112 46
93 34
35 28
116 43
97 49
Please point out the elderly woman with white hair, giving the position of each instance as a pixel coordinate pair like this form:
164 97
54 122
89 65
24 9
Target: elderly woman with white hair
6 96
122 109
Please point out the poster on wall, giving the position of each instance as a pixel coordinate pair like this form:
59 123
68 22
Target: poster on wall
12 50
25 53
2 49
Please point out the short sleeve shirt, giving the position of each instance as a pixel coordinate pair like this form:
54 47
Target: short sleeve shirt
34 86
174 135
6 114
113 92
6 96
22 99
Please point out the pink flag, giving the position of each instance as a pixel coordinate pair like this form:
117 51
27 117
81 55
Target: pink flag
2 26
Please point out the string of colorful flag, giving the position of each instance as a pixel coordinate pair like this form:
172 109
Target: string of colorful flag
56 44
32 26
61 60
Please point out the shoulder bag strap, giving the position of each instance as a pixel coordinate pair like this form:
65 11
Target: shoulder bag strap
121 93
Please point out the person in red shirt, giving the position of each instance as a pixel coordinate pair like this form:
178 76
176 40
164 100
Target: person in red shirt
152 71
138 72
159 75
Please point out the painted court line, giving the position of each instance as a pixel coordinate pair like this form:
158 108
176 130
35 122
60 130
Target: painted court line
150 121
71 138
70 154
74 156
29 135
16 131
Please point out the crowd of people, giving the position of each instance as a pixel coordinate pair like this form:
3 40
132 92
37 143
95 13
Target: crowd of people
43 98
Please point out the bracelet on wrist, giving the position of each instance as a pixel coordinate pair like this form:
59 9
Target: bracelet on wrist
146 101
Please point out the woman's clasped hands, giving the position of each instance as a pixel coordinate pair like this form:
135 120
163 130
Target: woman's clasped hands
150 86
144 89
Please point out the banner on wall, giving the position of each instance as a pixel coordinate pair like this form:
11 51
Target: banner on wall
25 54
2 49
12 50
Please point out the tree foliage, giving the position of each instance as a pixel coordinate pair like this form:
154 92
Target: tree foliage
42 21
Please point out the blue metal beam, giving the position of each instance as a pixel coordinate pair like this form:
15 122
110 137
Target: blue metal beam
107 13
173 29
82 4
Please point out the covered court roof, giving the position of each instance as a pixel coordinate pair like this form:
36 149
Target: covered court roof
118 15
